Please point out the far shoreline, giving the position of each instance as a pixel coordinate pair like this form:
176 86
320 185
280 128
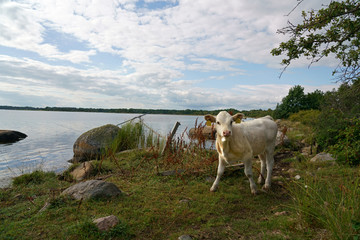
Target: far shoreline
186 112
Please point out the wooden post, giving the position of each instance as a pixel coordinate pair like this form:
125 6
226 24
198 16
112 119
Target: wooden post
169 139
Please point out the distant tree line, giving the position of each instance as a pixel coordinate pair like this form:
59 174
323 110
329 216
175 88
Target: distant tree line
250 113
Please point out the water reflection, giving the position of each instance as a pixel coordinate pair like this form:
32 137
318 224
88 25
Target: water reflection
51 136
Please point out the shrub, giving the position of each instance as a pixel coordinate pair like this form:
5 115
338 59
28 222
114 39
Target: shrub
330 124
339 106
306 117
347 148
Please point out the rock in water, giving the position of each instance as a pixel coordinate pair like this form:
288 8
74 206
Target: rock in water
92 189
9 136
91 144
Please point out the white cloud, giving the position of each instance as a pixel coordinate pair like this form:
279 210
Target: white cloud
238 30
155 48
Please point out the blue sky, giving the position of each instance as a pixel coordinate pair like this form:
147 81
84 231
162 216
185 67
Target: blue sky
159 54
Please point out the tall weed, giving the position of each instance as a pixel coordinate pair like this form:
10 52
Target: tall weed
191 155
329 202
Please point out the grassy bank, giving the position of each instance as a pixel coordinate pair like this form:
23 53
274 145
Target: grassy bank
166 207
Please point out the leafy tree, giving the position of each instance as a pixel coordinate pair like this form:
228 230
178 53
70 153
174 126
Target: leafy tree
292 103
297 100
334 29
314 99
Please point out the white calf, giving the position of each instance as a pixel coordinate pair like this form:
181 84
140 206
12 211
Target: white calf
241 142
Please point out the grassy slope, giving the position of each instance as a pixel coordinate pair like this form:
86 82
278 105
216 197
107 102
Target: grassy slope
166 207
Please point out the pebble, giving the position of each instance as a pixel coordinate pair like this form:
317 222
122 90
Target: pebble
185 237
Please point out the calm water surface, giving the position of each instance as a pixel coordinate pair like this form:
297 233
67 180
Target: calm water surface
51 136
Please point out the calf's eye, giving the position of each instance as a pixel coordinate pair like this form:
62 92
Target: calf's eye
218 123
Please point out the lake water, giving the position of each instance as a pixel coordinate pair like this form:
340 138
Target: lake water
51 136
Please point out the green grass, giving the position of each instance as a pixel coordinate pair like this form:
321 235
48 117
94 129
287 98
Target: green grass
155 207
166 207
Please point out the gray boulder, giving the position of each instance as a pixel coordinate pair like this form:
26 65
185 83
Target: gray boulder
93 143
10 136
92 189
322 157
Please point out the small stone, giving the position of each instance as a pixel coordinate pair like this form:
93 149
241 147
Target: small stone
185 237
291 170
283 213
276 178
184 201
106 223
297 177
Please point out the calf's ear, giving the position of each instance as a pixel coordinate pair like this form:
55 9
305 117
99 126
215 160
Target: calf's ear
210 118
237 117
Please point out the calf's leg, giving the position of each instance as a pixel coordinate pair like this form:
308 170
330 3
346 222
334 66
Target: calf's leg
249 174
269 168
261 178
220 172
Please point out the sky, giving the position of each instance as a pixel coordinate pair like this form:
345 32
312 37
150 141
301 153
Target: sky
154 54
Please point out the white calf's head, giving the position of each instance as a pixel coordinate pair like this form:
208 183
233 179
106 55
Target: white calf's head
224 122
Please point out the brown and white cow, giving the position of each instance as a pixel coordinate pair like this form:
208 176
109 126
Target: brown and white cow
240 142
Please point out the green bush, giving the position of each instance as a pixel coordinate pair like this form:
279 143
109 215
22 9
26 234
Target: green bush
339 106
306 117
347 148
330 124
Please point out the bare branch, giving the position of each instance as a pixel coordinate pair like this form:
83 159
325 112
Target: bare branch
299 2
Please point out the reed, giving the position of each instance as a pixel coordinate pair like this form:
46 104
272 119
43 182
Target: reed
134 136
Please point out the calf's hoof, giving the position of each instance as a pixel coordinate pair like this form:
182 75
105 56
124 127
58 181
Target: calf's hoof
213 189
266 187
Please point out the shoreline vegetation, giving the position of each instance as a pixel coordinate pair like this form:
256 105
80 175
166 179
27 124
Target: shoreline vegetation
166 196
248 113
